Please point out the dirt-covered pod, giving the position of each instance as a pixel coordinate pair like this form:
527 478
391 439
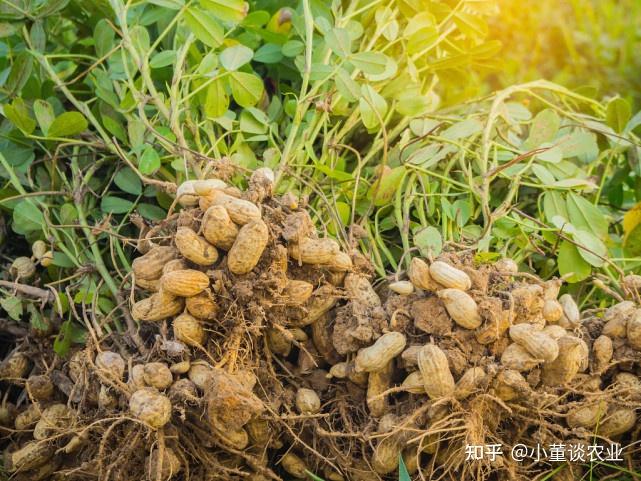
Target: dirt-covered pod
279 342
248 247
320 302
163 468
461 307
28 418
199 373
296 292
194 247
29 456
516 357
386 455
510 385
136 377
566 365
157 375
294 465
150 266
587 414
359 290
184 283
435 369
110 364
218 228
157 307
619 420
571 317
537 343
471 380
449 276
404 288
14 367
202 306
40 387
55 419
419 275
307 401
189 330
22 268
240 211
314 251
379 354
552 310
377 383
602 351
151 407
633 330
413 383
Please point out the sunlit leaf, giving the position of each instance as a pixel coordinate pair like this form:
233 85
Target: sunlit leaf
232 58
618 114
373 107
246 88
571 262
204 26
67 124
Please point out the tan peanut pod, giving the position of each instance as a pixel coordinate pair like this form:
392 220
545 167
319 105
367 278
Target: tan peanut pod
298 334
40 387
107 399
240 211
510 384
628 380
158 375
314 251
587 415
175 265
136 377
236 438
387 423
322 339
186 193
379 354
294 465
571 315
342 262
23 268
28 417
359 289
461 307
199 373
181 367
551 289
555 331
218 228
249 246
150 265
307 401
632 282
404 288
414 383
184 283
151 285
386 454
494 329
110 364
55 419
507 266
552 310
377 383
619 420
419 275
470 381
567 364
409 357
278 342
166 469
585 356
517 358
616 328
621 310
202 306
435 369
320 302
194 247
449 276
189 330
411 460
259 431
538 344
151 407
297 292
634 330
157 307
38 249
338 370
29 456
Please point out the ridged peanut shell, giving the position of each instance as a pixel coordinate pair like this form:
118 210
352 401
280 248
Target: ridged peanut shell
189 330
248 247
510 384
414 383
294 465
618 421
602 352
29 456
419 275
184 283
359 290
314 251
377 383
517 358
634 331
552 310
296 292
157 307
150 265
240 211
469 382
194 247
379 354
202 306
461 307
449 276
386 454
158 375
571 313
218 228
151 407
587 415
404 288
537 343
567 364
307 401
435 369
342 262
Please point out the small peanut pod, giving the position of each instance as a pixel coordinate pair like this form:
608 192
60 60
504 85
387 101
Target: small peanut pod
538 344
150 266
379 354
218 228
157 374
634 331
618 421
507 266
296 292
470 381
510 385
320 302
240 211
111 364
359 290
189 330
40 387
151 285
435 369
461 308
602 352
571 314
249 246
449 276
420 277
342 262
202 306
29 456
517 358
307 401
552 310
386 454
314 251
184 283
567 364
188 192
157 307
587 415
414 383
164 468
377 383
555 331
294 465
151 407
28 417
404 288
195 248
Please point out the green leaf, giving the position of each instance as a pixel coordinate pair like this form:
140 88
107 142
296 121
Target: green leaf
339 41
27 217
233 11
61 259
149 161
471 25
586 216
163 59
618 114
127 180
246 88
346 85
43 111
103 37
70 333
571 262
68 124
13 307
20 73
403 474
466 128
217 100
232 58
383 189
204 26
554 205
543 129
269 53
170 4
292 48
429 241
18 114
253 121
369 62
595 250
579 144
313 477
373 107
116 205
151 212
